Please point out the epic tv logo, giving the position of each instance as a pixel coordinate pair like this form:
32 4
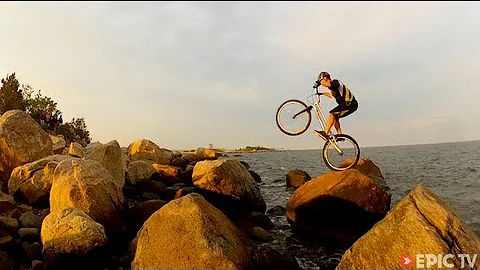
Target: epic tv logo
437 261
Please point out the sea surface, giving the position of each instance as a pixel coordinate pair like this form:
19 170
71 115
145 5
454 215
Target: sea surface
450 170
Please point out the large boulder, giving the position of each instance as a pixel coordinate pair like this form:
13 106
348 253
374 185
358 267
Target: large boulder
110 156
421 223
88 186
147 150
229 186
191 233
22 141
71 239
33 180
337 207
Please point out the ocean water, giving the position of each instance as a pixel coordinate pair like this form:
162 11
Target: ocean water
450 170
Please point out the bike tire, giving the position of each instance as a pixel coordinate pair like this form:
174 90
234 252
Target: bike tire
347 163
303 127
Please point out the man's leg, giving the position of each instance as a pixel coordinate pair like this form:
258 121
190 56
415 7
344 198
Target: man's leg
337 125
330 122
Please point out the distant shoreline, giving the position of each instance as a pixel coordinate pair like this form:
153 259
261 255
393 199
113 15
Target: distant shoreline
240 151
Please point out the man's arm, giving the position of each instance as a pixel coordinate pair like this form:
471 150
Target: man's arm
328 94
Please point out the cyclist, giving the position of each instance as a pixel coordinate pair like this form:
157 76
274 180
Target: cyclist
347 104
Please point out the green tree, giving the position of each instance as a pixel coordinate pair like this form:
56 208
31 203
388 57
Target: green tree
11 97
75 131
38 104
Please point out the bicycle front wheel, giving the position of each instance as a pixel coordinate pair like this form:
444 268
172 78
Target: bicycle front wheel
342 153
293 117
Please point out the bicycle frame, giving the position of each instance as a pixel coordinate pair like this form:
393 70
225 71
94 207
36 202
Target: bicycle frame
321 118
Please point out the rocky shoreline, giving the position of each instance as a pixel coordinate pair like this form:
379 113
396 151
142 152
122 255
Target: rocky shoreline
109 207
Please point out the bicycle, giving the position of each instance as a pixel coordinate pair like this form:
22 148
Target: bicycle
336 147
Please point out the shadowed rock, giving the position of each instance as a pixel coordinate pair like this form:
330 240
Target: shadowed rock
337 207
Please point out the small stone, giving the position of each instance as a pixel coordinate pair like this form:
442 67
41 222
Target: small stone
37 265
9 224
6 202
276 211
260 234
5 261
29 234
30 220
6 241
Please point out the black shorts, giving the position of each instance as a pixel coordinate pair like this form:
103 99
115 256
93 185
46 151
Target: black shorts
344 109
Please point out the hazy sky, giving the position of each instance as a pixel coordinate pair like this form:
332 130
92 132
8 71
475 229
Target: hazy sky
187 74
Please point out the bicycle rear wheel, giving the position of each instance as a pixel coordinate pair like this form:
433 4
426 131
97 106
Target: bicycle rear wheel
293 117
347 158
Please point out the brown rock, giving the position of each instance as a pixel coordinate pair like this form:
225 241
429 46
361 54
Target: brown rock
109 155
22 141
261 235
30 220
144 149
268 258
37 265
255 176
183 191
6 202
6 241
167 170
58 144
190 233
33 180
296 178
337 207
6 263
421 223
206 154
143 210
76 150
88 186
229 186
368 168
139 170
71 238
10 225
29 234
170 192
32 251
